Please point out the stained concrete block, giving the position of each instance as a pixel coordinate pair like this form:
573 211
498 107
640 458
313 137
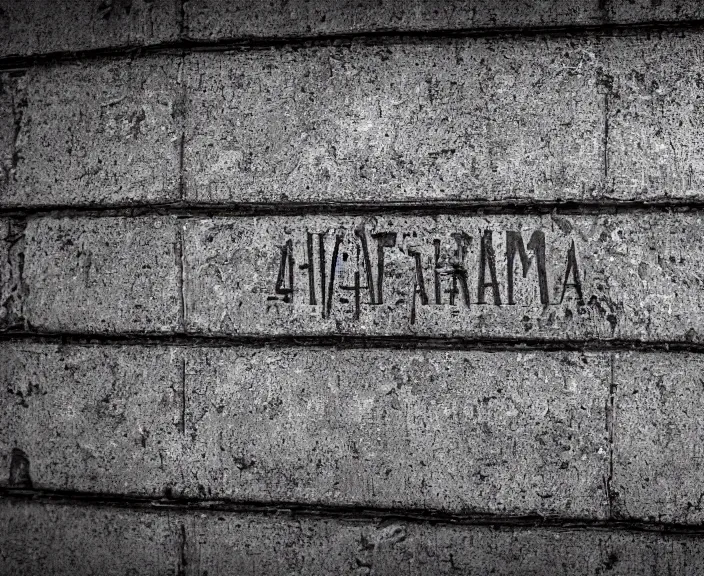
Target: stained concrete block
646 11
101 540
451 119
500 433
45 26
279 545
7 129
657 437
631 276
91 418
12 286
656 115
102 275
59 539
100 132
215 20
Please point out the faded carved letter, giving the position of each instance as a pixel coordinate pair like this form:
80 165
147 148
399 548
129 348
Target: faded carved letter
383 240
285 272
574 270
514 244
486 256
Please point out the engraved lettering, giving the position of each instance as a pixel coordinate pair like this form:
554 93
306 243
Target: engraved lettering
486 256
514 244
574 270
383 240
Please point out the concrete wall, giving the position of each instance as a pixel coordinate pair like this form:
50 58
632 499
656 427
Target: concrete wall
351 287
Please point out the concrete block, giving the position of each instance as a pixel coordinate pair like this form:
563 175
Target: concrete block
499 433
102 132
215 20
44 26
450 119
102 275
279 545
646 11
656 116
91 418
630 276
7 129
59 539
658 456
12 286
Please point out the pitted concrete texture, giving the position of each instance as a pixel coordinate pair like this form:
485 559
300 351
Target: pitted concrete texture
91 419
12 286
656 115
449 119
503 433
102 275
8 94
106 132
81 540
602 277
482 432
102 540
630 276
45 26
215 20
211 19
632 11
657 437
278 545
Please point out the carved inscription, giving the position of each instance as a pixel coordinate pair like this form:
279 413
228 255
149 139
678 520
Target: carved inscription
347 271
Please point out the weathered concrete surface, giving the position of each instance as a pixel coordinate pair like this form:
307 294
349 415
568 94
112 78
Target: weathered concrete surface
444 119
481 432
7 128
638 276
41 538
12 286
658 464
633 11
501 433
255 545
104 132
632 276
656 115
102 275
41 26
80 540
215 20
91 418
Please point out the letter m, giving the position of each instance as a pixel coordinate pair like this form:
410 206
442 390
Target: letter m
514 245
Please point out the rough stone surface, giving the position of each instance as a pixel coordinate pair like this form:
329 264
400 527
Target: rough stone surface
103 132
92 418
12 286
214 20
638 273
443 119
41 26
81 540
7 128
657 437
628 11
656 115
41 538
102 275
279 545
501 433
466 432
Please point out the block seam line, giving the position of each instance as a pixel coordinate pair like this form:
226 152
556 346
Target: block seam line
12 62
